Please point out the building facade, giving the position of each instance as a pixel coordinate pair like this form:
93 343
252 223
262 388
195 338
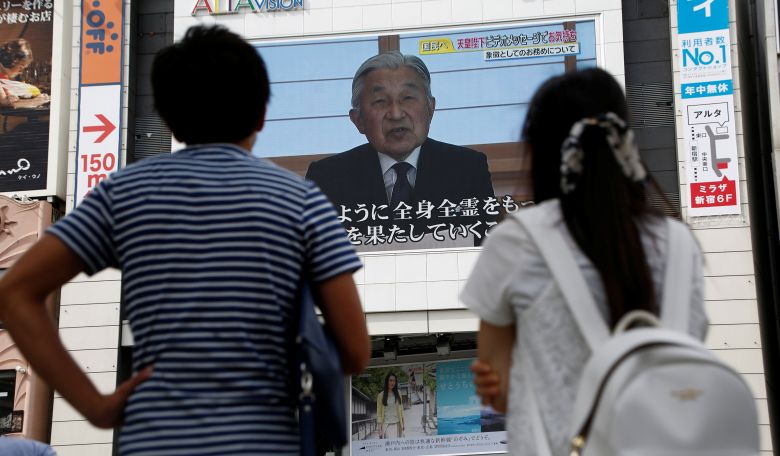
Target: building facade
477 51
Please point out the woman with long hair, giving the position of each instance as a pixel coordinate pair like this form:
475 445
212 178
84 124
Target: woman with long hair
591 185
390 409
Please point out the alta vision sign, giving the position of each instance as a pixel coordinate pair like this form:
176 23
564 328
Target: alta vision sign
244 6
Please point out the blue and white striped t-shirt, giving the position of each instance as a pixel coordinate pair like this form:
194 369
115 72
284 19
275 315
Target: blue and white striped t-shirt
211 242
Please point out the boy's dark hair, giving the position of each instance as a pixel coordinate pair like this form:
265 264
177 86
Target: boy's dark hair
602 212
212 86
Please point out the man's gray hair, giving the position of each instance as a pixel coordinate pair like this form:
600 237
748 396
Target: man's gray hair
389 61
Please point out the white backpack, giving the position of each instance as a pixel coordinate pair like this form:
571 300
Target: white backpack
649 391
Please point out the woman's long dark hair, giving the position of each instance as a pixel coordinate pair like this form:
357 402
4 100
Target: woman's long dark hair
395 389
601 212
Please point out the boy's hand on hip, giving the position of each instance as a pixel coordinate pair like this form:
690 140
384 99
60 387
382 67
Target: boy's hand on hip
109 411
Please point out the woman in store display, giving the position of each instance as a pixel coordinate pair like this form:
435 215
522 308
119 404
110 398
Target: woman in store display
390 409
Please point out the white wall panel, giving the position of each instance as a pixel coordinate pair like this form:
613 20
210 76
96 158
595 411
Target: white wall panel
104 449
728 264
443 295
411 296
724 239
90 338
763 411
347 19
63 411
340 3
732 312
496 10
380 297
379 268
442 266
408 14
105 382
613 25
287 24
614 59
318 21
733 336
729 287
466 11
757 385
104 275
319 4
450 321
559 7
362 295
181 24
766 440
360 276
378 17
595 6
182 8
526 9
234 22
103 360
91 292
466 262
74 316
397 323
410 267
79 433
436 12
743 360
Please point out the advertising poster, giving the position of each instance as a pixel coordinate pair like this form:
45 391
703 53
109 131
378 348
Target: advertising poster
707 90
100 94
422 409
26 29
469 170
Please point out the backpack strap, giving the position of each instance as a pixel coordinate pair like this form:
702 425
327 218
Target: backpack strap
678 282
563 266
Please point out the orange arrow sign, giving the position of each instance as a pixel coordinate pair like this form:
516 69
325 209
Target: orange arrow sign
106 128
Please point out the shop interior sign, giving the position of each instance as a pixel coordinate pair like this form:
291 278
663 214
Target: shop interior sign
707 89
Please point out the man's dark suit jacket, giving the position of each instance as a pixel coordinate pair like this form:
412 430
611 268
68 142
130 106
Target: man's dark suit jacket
444 171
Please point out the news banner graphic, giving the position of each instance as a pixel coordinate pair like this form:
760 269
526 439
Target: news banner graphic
507 46
707 90
98 149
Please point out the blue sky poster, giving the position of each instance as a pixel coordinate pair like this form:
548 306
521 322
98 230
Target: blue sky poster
458 407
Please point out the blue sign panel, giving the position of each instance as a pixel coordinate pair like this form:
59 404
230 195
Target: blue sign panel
459 408
702 15
707 89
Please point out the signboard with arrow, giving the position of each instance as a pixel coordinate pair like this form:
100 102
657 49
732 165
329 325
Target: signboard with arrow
99 144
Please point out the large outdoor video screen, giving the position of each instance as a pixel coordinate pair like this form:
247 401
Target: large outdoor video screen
470 172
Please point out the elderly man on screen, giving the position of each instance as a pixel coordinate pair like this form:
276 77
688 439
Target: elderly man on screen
402 178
